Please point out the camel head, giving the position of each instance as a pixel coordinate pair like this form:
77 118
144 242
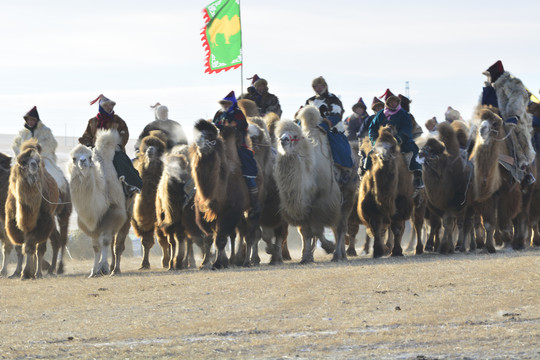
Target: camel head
152 147
386 147
310 117
29 164
490 126
82 162
205 136
289 135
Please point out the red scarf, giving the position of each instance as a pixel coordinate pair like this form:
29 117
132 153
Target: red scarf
389 112
104 120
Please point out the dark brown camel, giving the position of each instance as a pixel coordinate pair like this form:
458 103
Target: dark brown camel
222 193
448 177
386 191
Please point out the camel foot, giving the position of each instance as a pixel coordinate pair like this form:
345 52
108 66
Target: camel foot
60 270
518 245
328 247
429 247
445 248
307 260
275 261
145 267
378 251
220 264
397 252
419 250
536 241
15 275
287 256
351 252
490 249
116 272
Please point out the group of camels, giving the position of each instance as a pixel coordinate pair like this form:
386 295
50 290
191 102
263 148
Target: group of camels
196 194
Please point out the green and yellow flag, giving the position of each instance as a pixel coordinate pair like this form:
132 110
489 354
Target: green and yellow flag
222 36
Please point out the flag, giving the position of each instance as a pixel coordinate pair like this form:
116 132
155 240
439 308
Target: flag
222 36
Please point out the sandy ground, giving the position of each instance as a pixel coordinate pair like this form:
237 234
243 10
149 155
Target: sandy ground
461 306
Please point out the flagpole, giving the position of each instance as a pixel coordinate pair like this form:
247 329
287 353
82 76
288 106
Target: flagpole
242 50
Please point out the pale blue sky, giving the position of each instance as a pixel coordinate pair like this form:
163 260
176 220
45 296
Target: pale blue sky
59 55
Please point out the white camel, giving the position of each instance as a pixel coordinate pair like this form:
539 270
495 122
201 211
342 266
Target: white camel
99 199
309 193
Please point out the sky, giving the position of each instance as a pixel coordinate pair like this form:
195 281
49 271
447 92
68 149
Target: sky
59 55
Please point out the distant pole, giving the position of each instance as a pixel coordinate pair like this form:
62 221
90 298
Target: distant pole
65 134
407 89
241 51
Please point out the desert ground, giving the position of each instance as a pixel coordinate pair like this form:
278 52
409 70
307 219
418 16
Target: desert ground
459 306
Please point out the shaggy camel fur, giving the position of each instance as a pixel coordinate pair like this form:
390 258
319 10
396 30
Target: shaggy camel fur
310 196
30 207
386 191
447 176
175 212
97 195
149 165
222 193
496 195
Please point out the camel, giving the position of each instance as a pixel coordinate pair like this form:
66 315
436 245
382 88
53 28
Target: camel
30 207
175 212
310 196
98 197
447 176
386 192
149 165
496 196
272 222
222 193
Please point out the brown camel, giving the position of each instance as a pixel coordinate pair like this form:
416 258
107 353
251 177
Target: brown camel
149 165
386 192
496 196
30 207
310 196
222 193
175 212
447 176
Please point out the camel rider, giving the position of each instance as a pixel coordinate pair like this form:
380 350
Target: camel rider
34 128
258 92
394 115
231 115
355 124
172 129
331 110
107 119
512 99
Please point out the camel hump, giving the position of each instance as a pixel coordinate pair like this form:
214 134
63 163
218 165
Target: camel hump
31 143
448 136
249 107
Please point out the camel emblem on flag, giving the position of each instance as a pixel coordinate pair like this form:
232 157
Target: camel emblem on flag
227 27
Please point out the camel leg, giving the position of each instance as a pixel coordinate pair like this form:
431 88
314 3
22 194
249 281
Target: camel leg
20 259
326 244
352 231
190 262
521 230
367 245
280 233
221 261
398 228
378 234
180 260
307 248
6 251
29 250
147 242
55 245
41 248
447 245
206 249
118 247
